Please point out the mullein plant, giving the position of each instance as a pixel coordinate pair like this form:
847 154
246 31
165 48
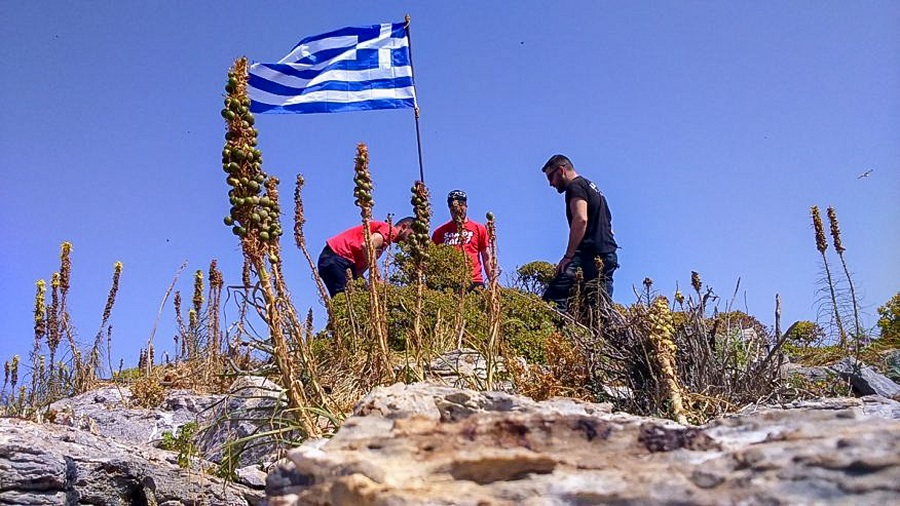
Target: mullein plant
839 247
822 246
93 369
213 307
194 316
300 240
379 357
65 276
254 218
662 329
456 215
493 344
418 252
40 332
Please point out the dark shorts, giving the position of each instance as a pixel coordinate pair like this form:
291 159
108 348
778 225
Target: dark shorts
333 271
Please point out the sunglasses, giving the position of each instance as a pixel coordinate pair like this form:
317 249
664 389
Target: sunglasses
552 172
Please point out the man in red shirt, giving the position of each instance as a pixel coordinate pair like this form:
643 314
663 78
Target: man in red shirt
472 239
347 250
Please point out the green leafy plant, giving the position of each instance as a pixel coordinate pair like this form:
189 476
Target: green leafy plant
182 442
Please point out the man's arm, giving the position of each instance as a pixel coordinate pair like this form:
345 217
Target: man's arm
378 244
486 263
577 228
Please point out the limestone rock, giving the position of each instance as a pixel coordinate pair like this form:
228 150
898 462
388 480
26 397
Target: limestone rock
107 411
865 379
422 444
48 464
245 411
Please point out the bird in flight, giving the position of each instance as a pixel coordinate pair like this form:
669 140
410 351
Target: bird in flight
865 174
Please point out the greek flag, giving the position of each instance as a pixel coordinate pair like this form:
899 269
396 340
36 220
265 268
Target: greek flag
351 69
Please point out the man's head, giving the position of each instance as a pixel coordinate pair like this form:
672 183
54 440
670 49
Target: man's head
457 202
559 171
404 228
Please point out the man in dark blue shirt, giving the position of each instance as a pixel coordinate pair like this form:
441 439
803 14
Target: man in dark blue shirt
590 233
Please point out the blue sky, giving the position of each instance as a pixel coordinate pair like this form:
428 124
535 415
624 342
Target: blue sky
710 126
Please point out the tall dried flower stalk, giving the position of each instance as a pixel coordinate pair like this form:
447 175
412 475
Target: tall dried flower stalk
65 277
493 344
6 367
661 330
300 240
418 251
839 247
40 327
94 363
295 327
193 334
182 351
822 245
254 219
380 359
213 309
40 312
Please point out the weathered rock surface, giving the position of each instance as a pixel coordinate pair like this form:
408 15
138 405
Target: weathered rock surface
245 412
422 444
107 412
48 464
865 379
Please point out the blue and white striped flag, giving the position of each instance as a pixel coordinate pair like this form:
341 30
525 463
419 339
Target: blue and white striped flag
351 69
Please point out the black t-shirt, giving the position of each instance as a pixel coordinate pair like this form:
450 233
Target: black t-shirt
598 238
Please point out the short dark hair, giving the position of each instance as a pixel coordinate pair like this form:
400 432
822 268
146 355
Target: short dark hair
402 221
557 161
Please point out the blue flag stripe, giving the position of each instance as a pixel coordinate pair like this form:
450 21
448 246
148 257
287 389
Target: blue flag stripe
375 84
318 107
354 68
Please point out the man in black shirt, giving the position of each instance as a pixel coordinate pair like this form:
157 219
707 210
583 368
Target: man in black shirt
590 233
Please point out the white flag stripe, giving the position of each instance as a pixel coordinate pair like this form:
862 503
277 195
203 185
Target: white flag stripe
304 50
331 75
332 96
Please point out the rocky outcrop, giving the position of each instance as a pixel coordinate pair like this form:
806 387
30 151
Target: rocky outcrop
49 464
865 379
107 411
100 449
422 444
242 415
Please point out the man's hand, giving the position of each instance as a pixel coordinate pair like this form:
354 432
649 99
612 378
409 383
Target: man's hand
561 266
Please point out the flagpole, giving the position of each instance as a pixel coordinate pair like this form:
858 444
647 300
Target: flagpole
416 109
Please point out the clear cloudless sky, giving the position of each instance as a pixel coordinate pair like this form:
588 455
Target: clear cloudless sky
711 127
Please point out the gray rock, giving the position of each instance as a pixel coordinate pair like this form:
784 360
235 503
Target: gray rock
108 412
423 444
865 379
461 368
53 464
252 476
892 365
241 414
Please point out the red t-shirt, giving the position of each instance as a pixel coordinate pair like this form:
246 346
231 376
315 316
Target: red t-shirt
349 243
474 241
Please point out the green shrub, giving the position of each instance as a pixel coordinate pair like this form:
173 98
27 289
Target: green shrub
534 277
526 321
804 334
446 269
889 320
